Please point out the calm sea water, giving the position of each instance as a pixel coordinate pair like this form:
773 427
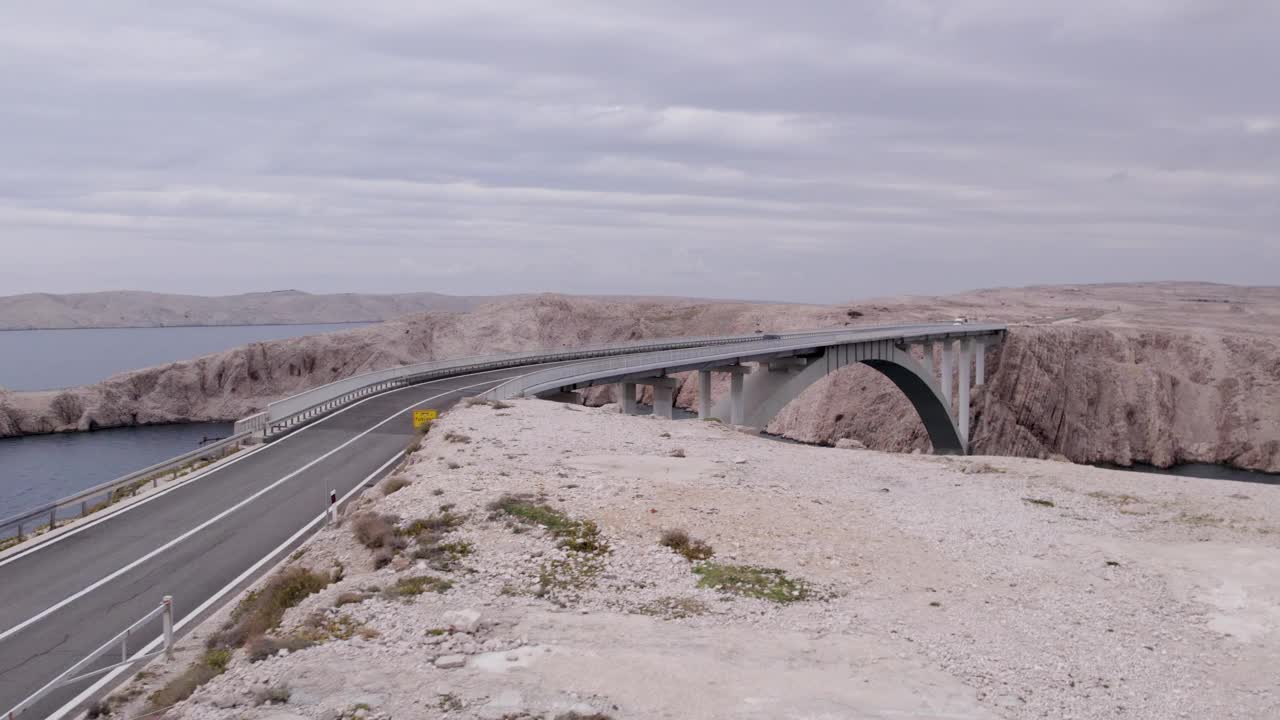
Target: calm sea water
48 359
38 469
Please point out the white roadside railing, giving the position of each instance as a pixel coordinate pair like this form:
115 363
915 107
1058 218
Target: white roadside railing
121 640
672 360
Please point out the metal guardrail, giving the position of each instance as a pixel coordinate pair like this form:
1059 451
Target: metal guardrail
289 412
165 611
86 500
551 378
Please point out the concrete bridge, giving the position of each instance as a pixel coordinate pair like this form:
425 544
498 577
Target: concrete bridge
935 366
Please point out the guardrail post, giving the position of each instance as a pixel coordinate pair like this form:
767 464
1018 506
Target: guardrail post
168 627
84 508
53 519
333 507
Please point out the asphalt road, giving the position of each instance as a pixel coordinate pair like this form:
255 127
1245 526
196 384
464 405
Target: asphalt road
65 599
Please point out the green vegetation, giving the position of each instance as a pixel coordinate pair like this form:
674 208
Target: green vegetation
691 549
414 586
751 581
577 535
210 665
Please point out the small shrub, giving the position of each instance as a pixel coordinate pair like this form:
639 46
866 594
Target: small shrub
751 581
440 522
414 586
399 482
437 491
691 549
575 715
97 709
1039 501
677 453
382 557
450 703
454 437
376 531
452 465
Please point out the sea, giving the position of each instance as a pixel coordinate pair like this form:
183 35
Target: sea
38 469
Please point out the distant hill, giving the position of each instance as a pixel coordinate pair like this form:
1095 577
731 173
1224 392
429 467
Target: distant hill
145 309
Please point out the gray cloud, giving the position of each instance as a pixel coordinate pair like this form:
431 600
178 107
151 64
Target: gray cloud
817 151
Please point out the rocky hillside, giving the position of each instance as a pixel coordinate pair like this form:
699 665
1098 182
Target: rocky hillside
144 309
1162 374
525 564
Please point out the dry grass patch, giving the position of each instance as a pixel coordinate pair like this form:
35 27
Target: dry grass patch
674 608
454 437
1041 502
692 549
210 665
262 610
376 531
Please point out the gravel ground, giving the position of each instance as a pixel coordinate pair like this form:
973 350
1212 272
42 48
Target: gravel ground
936 587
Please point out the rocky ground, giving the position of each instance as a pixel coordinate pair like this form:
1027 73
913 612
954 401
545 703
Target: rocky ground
840 583
1162 373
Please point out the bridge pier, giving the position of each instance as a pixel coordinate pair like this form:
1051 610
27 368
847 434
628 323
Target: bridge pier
948 373
627 397
966 373
980 363
663 395
704 394
928 359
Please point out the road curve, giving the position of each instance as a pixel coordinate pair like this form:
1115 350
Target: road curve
66 598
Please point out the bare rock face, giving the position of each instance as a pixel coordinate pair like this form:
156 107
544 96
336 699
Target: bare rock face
1127 395
1162 374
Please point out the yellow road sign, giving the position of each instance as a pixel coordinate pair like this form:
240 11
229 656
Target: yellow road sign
423 417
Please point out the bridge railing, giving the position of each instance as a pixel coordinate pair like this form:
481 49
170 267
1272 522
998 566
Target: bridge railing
46 517
551 378
318 401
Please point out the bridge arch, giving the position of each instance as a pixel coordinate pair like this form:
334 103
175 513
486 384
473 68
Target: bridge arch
775 384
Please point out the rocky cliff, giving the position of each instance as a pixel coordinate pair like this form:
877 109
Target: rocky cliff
1160 374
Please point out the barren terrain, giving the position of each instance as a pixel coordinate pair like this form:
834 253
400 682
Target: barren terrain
1159 373
518 573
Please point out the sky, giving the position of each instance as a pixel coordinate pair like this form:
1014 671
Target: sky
805 151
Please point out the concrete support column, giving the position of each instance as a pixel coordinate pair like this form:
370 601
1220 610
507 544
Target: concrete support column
966 371
979 363
737 406
704 394
928 359
948 355
663 395
627 396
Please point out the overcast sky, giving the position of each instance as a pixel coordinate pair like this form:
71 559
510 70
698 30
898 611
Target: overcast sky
814 151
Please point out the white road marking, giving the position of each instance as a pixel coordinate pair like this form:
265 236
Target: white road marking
155 644
166 491
72 598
